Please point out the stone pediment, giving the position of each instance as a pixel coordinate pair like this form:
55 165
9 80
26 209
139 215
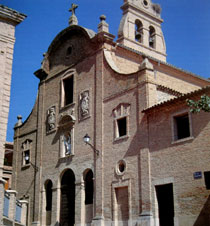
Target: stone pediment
66 120
69 47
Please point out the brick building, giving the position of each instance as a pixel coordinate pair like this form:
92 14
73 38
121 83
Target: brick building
9 19
7 169
110 140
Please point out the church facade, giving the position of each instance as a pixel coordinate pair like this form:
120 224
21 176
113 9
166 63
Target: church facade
110 140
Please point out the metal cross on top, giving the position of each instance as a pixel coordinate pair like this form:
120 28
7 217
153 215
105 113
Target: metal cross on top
72 9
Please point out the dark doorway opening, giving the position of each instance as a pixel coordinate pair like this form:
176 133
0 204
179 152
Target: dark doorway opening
48 190
165 204
67 211
89 188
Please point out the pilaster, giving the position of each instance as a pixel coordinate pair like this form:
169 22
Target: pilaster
98 143
24 204
2 183
145 216
12 203
80 203
56 199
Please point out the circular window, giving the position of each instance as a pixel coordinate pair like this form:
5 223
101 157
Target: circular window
145 2
121 167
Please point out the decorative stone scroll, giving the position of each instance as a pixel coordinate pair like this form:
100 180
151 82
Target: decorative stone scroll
51 119
84 104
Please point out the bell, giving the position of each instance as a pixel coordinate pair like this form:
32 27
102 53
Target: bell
137 36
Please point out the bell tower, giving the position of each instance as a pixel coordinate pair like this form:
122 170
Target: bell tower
140 28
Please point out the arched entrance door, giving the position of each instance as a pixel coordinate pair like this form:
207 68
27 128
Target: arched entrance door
67 211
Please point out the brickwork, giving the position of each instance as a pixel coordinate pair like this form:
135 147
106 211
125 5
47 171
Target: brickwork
132 147
8 20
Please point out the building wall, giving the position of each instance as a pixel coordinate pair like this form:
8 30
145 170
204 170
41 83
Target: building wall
6 45
8 20
146 153
176 162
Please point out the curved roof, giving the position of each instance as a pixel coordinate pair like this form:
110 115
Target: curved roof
87 32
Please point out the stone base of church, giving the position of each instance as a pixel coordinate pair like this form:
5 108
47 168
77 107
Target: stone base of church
98 221
35 223
145 219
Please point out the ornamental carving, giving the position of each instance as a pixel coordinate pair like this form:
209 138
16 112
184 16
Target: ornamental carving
51 119
84 104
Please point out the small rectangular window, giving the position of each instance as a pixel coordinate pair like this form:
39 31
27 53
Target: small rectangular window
207 179
26 157
182 126
68 90
122 127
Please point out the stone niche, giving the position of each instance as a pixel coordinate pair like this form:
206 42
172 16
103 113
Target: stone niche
84 105
51 119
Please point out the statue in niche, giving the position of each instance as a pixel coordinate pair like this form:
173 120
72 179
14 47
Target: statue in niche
84 104
51 119
67 143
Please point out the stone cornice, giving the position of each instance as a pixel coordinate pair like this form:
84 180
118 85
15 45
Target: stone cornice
11 15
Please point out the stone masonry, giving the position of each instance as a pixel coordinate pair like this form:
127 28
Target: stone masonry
110 140
9 19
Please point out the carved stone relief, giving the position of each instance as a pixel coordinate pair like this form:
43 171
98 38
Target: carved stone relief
84 104
51 118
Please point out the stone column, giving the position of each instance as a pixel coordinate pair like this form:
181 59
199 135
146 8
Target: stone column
2 183
56 199
12 203
79 203
145 39
24 211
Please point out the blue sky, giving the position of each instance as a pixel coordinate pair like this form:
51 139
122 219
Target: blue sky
186 30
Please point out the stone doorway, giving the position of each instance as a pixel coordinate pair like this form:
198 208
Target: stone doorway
165 204
67 210
122 206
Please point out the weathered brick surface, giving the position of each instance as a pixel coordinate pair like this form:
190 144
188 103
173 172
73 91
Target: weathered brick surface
150 154
8 20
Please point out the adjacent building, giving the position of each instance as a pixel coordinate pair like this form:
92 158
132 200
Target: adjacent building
7 169
9 19
110 140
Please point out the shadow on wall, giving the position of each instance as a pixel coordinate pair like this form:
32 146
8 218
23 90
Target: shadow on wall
204 216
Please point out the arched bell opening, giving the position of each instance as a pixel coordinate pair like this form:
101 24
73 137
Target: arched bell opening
138 31
152 37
